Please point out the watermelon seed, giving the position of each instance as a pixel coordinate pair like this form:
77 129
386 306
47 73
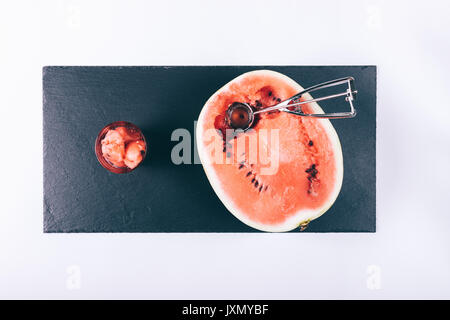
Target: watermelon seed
310 143
241 166
256 183
260 188
270 93
253 180
248 174
312 177
312 171
278 100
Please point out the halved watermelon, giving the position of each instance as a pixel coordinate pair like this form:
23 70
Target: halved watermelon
282 173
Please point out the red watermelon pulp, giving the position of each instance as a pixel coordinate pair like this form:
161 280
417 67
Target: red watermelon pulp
283 172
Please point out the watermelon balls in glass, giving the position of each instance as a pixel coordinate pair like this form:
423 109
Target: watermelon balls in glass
120 147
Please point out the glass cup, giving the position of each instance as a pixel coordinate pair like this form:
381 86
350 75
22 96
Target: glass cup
108 165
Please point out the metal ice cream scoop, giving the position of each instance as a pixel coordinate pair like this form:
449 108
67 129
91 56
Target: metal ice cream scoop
241 115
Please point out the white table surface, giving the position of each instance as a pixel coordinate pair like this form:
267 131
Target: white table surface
408 256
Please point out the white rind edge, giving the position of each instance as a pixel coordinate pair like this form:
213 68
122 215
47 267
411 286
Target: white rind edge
302 216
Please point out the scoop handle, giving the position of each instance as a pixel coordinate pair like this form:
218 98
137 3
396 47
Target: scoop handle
349 94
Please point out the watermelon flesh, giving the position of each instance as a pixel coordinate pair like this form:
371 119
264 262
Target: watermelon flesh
283 172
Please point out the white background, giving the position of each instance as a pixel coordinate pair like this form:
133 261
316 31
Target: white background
409 254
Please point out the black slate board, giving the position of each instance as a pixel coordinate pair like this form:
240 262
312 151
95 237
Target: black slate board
81 196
